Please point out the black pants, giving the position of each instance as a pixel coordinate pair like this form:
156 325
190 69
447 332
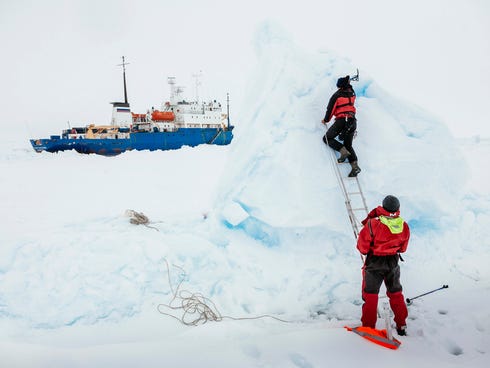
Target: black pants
382 268
338 127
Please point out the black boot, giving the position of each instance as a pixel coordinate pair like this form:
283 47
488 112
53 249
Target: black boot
325 139
402 331
343 155
355 169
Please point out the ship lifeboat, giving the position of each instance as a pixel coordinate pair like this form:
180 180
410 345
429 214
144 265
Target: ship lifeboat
162 116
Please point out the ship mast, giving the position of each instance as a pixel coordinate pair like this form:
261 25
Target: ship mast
121 113
228 109
124 79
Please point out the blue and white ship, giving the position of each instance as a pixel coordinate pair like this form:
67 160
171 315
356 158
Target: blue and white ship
176 124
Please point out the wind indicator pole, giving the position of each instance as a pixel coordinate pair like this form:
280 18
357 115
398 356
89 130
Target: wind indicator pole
124 79
355 77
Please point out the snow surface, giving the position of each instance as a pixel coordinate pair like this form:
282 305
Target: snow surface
259 227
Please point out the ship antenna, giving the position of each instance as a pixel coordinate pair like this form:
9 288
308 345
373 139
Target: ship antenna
228 108
124 79
198 83
171 82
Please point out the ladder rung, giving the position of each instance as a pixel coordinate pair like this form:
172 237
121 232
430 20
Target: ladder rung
346 185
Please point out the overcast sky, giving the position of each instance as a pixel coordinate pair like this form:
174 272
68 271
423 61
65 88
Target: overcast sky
59 58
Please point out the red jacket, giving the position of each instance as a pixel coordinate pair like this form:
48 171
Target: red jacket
383 234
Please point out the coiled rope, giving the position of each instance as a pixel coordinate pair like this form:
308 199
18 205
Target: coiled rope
139 218
196 308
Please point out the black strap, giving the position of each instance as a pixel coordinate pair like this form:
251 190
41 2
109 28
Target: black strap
350 103
370 230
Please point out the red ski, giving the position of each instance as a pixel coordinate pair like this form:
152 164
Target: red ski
379 337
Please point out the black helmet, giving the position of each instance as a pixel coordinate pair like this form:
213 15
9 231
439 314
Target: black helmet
391 203
343 82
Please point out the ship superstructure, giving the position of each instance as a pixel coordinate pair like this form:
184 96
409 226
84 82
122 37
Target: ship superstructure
177 123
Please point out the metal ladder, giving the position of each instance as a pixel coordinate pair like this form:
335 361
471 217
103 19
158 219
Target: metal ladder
355 202
351 188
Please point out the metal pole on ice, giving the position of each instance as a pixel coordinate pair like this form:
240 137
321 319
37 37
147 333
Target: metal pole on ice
409 300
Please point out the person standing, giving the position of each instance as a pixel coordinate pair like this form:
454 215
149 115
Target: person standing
384 236
341 105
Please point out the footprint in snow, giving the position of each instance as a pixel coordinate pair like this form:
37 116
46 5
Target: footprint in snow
300 361
252 351
453 348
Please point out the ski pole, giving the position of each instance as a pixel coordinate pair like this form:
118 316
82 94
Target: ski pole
409 300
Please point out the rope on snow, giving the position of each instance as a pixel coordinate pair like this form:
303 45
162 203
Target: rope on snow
197 309
139 218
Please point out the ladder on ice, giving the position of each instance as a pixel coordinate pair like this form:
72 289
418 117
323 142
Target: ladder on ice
355 202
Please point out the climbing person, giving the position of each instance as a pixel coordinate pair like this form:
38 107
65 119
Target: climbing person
341 105
384 236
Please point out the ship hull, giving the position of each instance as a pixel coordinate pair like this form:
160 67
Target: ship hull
137 141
